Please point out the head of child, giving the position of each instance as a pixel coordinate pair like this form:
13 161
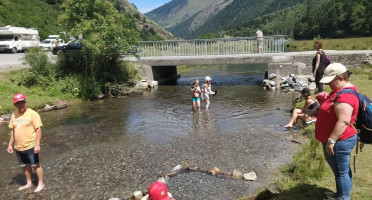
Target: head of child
158 191
195 83
305 92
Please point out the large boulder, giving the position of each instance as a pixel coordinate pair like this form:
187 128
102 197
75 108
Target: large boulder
60 104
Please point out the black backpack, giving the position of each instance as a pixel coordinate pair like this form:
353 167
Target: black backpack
364 117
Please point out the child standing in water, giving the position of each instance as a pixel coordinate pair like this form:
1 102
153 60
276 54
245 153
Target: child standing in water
207 90
195 90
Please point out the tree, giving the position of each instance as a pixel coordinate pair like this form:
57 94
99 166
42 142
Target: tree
106 33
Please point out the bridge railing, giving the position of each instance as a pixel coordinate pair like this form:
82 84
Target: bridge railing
221 46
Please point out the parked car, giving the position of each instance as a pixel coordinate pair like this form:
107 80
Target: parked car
72 48
49 44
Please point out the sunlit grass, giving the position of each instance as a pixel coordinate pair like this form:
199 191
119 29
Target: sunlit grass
364 43
37 96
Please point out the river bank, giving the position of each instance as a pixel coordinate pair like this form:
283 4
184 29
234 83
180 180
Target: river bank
308 176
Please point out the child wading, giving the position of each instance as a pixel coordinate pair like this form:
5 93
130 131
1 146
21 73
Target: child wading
196 92
207 90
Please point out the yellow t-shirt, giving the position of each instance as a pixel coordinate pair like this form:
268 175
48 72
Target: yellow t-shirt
24 126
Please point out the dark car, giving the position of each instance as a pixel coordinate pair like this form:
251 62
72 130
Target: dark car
74 47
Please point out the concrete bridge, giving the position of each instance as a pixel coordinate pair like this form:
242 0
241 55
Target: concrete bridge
164 69
159 59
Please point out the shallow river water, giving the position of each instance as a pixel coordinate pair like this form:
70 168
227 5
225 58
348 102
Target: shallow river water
111 148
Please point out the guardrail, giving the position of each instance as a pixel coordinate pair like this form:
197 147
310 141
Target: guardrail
220 46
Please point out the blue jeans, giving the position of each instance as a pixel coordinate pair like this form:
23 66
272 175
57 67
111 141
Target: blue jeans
340 164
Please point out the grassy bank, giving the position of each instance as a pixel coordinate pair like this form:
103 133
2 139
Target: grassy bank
44 82
308 176
37 95
364 43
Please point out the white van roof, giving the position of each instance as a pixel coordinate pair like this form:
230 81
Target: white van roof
17 30
54 37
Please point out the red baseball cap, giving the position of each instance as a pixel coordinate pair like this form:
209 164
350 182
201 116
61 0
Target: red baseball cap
158 191
18 97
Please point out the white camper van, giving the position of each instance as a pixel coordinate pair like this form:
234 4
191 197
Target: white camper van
16 39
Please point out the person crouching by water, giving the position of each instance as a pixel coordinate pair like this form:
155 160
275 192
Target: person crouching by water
196 92
207 90
334 128
25 125
310 105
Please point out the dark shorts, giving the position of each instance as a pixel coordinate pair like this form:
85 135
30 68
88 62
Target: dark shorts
27 157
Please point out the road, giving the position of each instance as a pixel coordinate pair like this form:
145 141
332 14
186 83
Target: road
11 61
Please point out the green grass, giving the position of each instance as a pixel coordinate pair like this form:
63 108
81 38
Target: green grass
37 96
308 176
363 43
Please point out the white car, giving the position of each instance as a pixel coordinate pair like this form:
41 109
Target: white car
49 44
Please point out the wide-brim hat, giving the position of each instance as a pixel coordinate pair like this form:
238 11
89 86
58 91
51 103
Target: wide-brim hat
207 78
332 71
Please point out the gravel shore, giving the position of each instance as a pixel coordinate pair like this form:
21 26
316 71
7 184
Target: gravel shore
110 170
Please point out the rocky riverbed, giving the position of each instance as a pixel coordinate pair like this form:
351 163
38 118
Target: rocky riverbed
114 171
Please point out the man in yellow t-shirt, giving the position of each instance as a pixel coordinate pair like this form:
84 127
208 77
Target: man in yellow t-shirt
25 125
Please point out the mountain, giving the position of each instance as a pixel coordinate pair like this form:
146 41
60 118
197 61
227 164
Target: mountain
300 19
43 15
149 30
184 16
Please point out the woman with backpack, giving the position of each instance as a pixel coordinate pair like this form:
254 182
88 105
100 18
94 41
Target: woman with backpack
318 65
334 130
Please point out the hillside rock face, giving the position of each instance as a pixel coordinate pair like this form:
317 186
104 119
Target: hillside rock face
186 15
190 19
143 22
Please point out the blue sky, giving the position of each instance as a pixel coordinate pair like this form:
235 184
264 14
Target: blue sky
145 6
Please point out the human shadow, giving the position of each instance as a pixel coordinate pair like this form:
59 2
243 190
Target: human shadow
20 179
302 191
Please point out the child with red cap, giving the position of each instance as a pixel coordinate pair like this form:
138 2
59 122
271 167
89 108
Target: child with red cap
25 125
158 191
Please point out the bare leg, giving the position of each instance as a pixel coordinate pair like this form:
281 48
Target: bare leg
39 172
198 104
207 106
27 171
193 105
295 114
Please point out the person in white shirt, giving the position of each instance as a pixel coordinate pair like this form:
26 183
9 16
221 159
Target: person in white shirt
259 35
207 90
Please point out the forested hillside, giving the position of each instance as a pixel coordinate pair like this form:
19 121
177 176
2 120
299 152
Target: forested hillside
241 11
43 16
31 13
299 19
313 18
